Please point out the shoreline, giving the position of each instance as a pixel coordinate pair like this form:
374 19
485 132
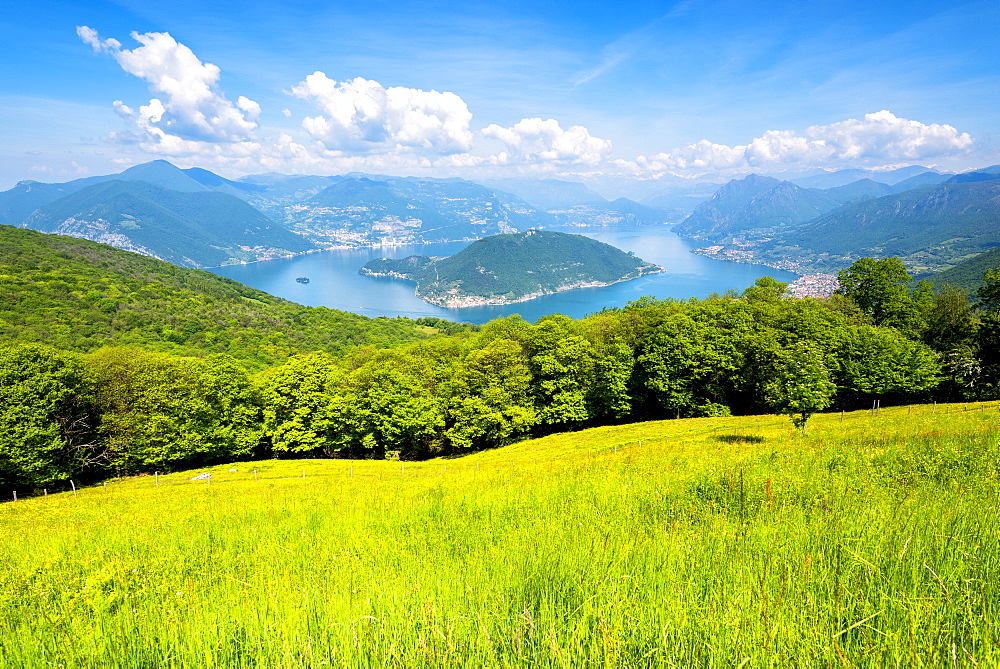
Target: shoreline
467 301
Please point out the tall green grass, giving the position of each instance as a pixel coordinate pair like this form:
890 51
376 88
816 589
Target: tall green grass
723 542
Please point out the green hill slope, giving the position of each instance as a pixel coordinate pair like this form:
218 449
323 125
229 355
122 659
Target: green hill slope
192 229
79 295
968 274
512 268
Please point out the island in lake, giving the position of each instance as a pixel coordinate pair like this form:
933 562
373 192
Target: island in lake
504 269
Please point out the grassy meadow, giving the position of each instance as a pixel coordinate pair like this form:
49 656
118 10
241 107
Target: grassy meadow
732 542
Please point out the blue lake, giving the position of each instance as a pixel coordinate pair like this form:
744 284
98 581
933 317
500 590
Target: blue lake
334 280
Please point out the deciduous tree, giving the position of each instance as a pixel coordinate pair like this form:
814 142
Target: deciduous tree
801 384
45 416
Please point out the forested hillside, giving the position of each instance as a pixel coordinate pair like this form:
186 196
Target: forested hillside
115 363
79 295
968 274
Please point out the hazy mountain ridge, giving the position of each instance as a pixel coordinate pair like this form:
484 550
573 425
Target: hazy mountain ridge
311 212
754 204
835 178
546 194
574 204
857 190
930 228
369 211
191 229
753 218
27 196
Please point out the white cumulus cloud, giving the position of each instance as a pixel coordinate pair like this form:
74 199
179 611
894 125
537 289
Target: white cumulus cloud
190 106
877 139
884 136
362 115
535 140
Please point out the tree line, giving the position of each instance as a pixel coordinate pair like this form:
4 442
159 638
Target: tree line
123 410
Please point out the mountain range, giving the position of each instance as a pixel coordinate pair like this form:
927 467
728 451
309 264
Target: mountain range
755 203
196 218
191 229
358 210
931 227
808 222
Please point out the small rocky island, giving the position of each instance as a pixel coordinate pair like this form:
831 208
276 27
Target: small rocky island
504 269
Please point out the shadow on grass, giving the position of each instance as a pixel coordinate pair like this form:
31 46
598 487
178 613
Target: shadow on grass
740 438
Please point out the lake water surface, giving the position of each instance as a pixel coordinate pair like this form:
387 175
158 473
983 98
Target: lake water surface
334 280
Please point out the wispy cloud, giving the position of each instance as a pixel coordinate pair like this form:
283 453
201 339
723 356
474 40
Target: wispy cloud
625 47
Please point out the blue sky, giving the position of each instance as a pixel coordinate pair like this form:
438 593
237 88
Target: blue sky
640 90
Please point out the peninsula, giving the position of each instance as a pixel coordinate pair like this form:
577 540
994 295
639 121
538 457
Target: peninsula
504 269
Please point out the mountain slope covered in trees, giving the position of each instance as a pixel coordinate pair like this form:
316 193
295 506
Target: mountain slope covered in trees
81 295
968 274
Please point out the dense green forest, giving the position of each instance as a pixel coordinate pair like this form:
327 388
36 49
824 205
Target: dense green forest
78 295
114 363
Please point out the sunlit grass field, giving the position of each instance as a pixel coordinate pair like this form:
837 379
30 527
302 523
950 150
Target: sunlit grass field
872 541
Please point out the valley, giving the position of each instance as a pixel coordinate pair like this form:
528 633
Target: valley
807 225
